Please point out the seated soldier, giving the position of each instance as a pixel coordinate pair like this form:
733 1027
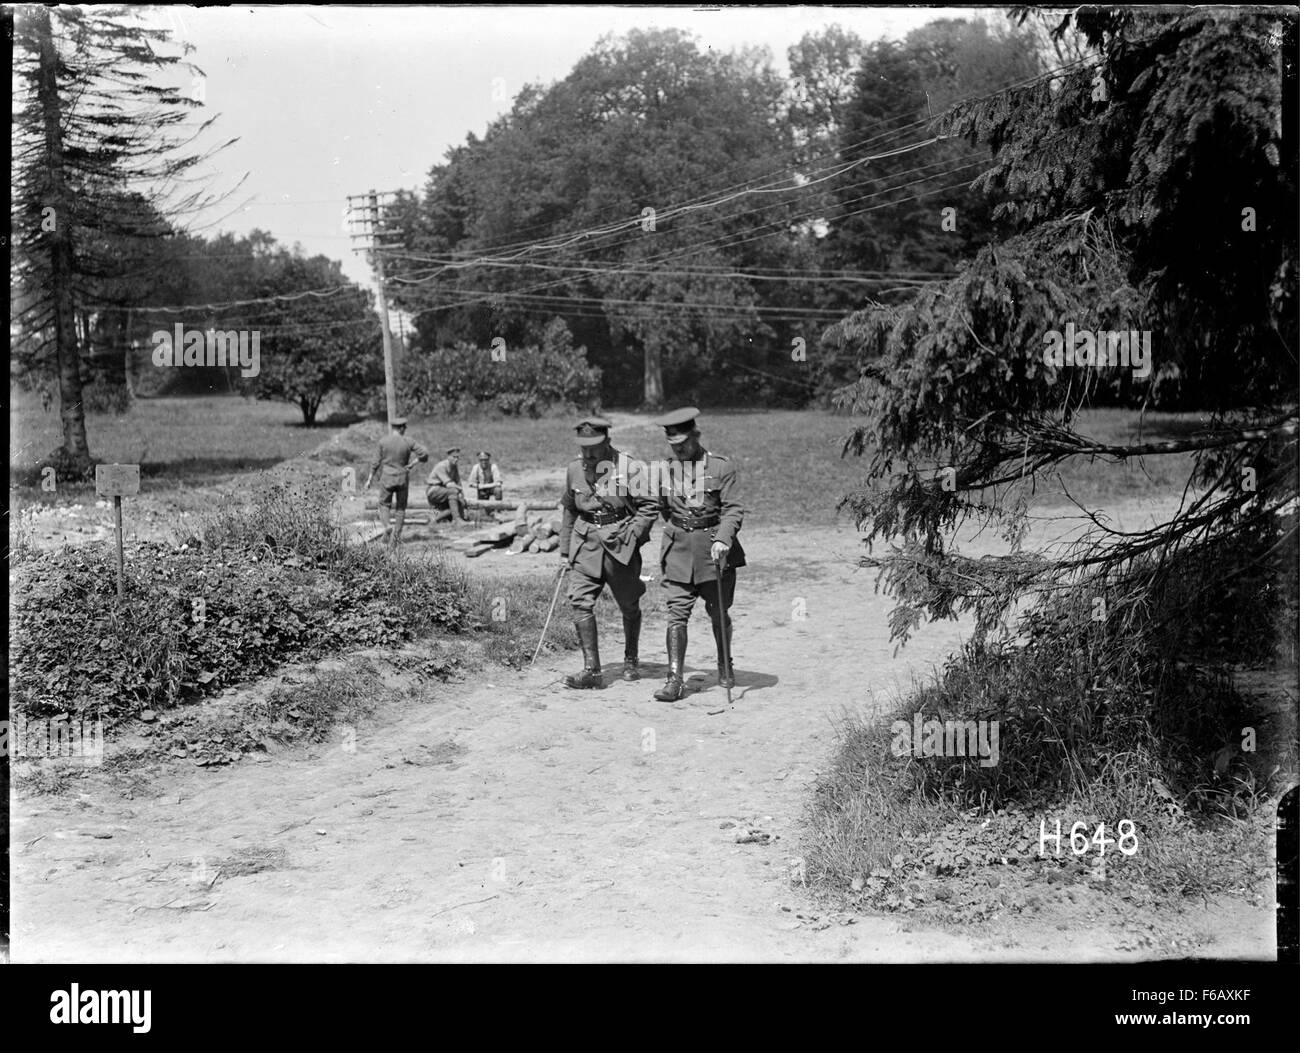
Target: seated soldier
485 482
445 494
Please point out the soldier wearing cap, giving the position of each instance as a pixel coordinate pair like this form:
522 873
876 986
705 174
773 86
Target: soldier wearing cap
393 463
605 524
444 491
702 519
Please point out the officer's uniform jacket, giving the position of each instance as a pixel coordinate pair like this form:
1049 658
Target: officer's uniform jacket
605 492
684 554
393 456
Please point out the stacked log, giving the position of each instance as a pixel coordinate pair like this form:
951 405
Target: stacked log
417 500
525 533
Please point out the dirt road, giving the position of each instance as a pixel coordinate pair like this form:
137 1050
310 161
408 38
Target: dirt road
512 819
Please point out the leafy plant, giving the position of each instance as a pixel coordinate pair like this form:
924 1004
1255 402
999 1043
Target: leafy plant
273 582
528 381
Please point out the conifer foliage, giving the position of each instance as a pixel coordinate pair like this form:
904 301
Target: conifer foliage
1154 191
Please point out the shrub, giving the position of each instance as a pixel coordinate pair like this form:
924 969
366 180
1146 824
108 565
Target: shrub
1132 715
276 583
99 397
528 381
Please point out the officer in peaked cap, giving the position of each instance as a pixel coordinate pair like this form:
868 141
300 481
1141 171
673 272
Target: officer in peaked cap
605 524
394 458
703 516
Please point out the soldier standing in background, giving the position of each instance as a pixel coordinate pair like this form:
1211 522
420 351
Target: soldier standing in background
393 462
604 528
703 518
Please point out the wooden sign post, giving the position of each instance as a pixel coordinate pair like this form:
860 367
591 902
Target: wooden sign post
116 481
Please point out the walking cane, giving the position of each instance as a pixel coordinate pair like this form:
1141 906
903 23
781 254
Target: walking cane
721 564
559 580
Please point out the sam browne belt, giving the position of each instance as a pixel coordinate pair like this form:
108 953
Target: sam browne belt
605 518
695 522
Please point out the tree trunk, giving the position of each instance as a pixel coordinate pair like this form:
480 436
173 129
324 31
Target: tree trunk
75 451
102 351
128 357
653 389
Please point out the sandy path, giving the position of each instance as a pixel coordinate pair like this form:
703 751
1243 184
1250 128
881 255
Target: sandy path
513 819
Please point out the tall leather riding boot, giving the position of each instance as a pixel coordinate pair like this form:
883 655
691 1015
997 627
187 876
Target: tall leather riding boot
590 676
726 671
631 642
675 684
398 522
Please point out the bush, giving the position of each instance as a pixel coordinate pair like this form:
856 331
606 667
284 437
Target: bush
269 582
527 382
99 397
1134 715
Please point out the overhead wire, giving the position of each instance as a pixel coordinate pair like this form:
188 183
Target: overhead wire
725 195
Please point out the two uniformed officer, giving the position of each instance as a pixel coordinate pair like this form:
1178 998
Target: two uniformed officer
604 528
698 502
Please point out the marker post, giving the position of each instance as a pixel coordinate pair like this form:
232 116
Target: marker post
116 481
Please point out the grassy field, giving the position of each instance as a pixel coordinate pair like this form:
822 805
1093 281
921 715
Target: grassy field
189 441
792 471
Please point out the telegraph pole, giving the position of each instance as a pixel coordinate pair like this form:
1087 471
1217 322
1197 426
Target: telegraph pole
373 230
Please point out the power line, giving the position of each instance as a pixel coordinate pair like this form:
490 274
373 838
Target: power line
720 197
723 240
696 249
1047 75
782 224
318 293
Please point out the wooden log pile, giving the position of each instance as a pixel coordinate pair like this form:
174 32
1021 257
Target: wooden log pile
526 533
419 501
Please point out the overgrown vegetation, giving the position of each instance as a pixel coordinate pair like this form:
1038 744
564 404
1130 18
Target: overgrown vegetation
525 381
268 582
298 709
1130 715
1117 698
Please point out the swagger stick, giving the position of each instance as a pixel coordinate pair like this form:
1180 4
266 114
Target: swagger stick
559 580
721 564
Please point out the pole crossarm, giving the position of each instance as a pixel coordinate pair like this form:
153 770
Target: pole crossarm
366 211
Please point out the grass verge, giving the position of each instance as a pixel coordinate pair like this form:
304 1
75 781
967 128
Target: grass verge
1133 720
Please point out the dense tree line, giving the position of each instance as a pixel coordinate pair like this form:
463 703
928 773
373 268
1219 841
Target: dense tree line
697 219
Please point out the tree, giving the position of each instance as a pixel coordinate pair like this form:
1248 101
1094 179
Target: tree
902 86
97 160
1154 192
1056 37
640 124
314 345
823 71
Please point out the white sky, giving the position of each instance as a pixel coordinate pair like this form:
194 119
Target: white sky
332 101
